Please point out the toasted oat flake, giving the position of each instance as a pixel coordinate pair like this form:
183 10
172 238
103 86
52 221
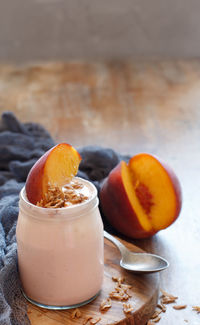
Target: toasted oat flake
196 308
178 307
121 290
127 308
106 304
73 185
120 280
167 300
115 295
87 320
156 314
125 287
119 295
157 319
77 186
162 307
76 313
150 322
168 295
115 278
95 321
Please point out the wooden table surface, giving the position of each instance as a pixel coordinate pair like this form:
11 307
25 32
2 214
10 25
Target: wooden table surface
134 106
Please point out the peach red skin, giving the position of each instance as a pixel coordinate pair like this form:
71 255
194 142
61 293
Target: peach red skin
119 212
34 180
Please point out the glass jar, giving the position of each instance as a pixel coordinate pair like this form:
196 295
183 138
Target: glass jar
60 252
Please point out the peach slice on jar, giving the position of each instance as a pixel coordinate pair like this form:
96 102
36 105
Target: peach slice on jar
55 168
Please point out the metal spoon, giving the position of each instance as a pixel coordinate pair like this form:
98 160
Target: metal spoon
138 262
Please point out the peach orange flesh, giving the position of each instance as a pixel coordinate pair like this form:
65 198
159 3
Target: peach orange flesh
61 166
150 192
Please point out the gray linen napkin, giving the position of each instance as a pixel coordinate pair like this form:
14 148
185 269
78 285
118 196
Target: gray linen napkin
20 146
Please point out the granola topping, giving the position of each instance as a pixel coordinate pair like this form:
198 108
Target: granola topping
70 194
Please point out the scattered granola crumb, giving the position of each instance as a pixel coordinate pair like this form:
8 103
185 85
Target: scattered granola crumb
86 320
127 308
167 298
157 319
121 293
90 320
122 296
120 280
121 290
156 314
196 308
169 295
178 307
95 321
125 287
76 313
162 307
106 304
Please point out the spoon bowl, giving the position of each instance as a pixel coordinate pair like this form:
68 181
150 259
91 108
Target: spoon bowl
138 262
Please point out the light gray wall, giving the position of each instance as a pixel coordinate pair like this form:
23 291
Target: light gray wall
75 29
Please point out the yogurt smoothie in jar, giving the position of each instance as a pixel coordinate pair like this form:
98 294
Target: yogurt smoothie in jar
60 246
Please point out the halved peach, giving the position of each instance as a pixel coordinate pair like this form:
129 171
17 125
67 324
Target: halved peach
141 197
56 167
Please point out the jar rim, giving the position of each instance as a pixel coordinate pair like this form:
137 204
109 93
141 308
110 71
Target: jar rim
69 210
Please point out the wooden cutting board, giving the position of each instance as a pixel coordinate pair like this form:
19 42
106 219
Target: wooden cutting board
144 296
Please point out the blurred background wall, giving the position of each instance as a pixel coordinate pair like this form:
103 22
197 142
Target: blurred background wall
75 29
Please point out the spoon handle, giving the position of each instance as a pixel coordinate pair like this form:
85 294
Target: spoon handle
115 241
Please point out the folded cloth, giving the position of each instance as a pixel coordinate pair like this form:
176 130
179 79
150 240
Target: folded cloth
21 144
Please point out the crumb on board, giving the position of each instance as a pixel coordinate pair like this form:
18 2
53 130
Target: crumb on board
121 293
86 320
105 304
127 308
167 298
178 307
90 320
196 308
76 313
